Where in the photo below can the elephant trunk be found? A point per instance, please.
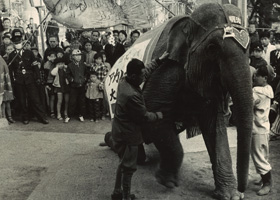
(239, 84)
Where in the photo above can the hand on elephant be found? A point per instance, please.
(159, 115)
(164, 56)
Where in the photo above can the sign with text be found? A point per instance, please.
(119, 70)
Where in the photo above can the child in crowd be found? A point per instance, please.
(104, 60)
(76, 75)
(27, 45)
(41, 83)
(6, 91)
(256, 59)
(48, 67)
(6, 41)
(89, 54)
(61, 87)
(59, 53)
(94, 95)
(262, 95)
(102, 72)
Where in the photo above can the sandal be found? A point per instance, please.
(52, 115)
(60, 118)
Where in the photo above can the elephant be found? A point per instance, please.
(208, 61)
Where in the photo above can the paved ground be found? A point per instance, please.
(64, 162)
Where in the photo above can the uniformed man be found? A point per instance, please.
(25, 74)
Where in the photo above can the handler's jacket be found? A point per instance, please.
(24, 71)
(130, 111)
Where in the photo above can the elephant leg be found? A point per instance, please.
(171, 155)
(214, 132)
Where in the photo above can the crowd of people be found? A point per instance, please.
(66, 81)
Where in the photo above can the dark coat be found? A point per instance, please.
(131, 112)
(23, 71)
(113, 53)
(76, 74)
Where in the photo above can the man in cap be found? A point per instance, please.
(267, 46)
(256, 60)
(25, 74)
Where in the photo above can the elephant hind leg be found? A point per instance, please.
(171, 154)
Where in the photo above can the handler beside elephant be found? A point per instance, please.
(130, 114)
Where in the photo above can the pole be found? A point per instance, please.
(41, 29)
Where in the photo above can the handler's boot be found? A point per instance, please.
(267, 184)
(126, 183)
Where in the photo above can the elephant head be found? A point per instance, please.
(213, 46)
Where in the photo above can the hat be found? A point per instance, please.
(76, 52)
(265, 34)
(6, 36)
(59, 60)
(277, 37)
(16, 36)
(257, 46)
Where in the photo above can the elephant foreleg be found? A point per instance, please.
(214, 132)
(171, 155)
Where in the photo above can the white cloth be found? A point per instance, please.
(262, 97)
(260, 153)
(266, 54)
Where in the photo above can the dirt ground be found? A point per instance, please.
(96, 175)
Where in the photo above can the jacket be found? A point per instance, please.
(76, 74)
(262, 97)
(130, 111)
(23, 68)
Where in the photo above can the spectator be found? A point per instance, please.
(34, 30)
(48, 67)
(6, 41)
(76, 76)
(94, 96)
(89, 54)
(96, 46)
(254, 35)
(101, 71)
(275, 60)
(113, 53)
(262, 95)
(30, 37)
(256, 60)
(61, 87)
(52, 30)
(134, 35)
(41, 84)
(267, 47)
(53, 47)
(7, 28)
(25, 73)
(6, 91)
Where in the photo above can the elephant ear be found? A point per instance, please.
(179, 39)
